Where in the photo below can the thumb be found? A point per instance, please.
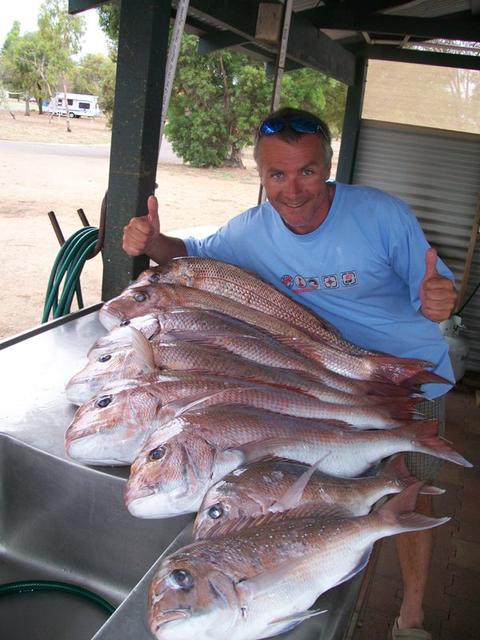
(430, 264)
(152, 205)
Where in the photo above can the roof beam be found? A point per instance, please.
(447, 28)
(307, 46)
(76, 6)
(219, 40)
(383, 52)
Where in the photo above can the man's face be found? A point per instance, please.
(293, 175)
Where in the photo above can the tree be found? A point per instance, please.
(95, 74)
(37, 62)
(218, 99)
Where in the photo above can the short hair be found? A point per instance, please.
(289, 135)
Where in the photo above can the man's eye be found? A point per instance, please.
(308, 172)
(277, 175)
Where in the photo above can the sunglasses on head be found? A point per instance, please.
(297, 123)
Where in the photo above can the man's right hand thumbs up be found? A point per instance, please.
(141, 233)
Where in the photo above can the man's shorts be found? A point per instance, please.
(422, 465)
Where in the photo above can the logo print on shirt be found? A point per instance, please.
(287, 280)
(349, 278)
(330, 282)
(300, 282)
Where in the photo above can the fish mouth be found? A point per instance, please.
(108, 319)
(169, 615)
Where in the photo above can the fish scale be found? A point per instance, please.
(248, 584)
(139, 299)
(253, 490)
(222, 438)
(247, 288)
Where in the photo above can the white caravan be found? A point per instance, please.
(79, 104)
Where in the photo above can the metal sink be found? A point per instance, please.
(63, 522)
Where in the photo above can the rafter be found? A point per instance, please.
(448, 29)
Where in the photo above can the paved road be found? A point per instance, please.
(83, 150)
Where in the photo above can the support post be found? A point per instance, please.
(142, 54)
(351, 122)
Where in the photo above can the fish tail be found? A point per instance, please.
(403, 370)
(397, 471)
(424, 434)
(403, 408)
(378, 389)
(425, 377)
(398, 515)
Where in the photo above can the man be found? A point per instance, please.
(354, 255)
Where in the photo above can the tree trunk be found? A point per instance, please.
(66, 105)
(40, 106)
(235, 158)
(27, 105)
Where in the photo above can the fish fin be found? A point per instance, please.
(395, 469)
(262, 582)
(297, 618)
(424, 434)
(259, 449)
(143, 350)
(292, 497)
(320, 510)
(425, 377)
(399, 516)
(197, 402)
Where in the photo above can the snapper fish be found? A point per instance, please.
(147, 356)
(141, 299)
(277, 485)
(213, 328)
(177, 465)
(111, 428)
(248, 289)
(260, 581)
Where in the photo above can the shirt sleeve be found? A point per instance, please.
(221, 245)
(407, 247)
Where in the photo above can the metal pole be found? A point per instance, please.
(172, 59)
(279, 70)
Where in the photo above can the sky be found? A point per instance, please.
(26, 12)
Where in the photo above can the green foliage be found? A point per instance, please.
(210, 119)
(219, 99)
(11, 37)
(36, 62)
(94, 74)
(109, 20)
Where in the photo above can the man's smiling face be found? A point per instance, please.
(294, 176)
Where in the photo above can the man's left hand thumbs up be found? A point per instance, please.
(437, 293)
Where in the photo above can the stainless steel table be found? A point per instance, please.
(34, 414)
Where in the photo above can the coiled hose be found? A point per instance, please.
(64, 279)
(29, 586)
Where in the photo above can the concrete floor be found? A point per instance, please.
(452, 601)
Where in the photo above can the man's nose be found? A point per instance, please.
(292, 187)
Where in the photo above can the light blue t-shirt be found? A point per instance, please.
(361, 270)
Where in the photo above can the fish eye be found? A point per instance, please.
(103, 402)
(215, 511)
(124, 323)
(155, 277)
(157, 453)
(105, 358)
(181, 579)
(139, 297)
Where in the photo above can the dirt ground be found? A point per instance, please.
(58, 175)
(36, 180)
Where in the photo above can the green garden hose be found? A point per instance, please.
(29, 586)
(64, 279)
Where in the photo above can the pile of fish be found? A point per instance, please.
(229, 399)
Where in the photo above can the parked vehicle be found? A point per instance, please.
(79, 104)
